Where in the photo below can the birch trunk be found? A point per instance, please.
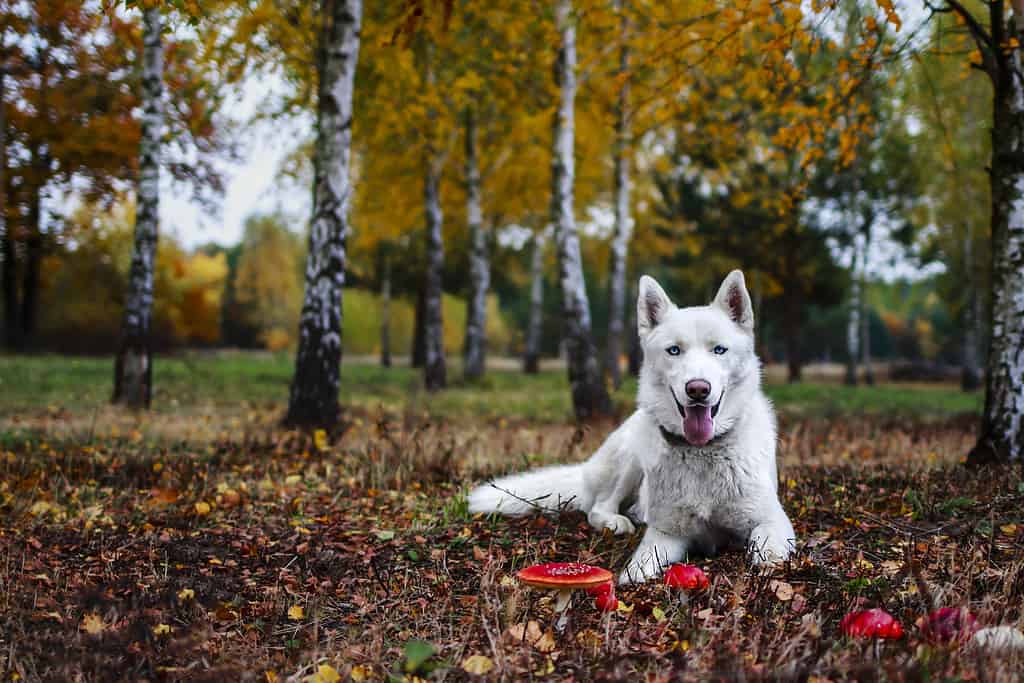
(853, 319)
(434, 371)
(1002, 429)
(623, 220)
(313, 400)
(970, 376)
(531, 359)
(865, 314)
(589, 394)
(479, 266)
(133, 369)
(636, 352)
(385, 315)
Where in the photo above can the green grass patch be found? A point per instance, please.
(200, 380)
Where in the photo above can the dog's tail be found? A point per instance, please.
(549, 489)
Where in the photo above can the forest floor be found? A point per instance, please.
(202, 542)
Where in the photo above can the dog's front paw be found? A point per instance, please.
(617, 524)
(766, 551)
(640, 570)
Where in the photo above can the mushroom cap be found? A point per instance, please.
(564, 575)
(871, 623)
(686, 576)
(948, 624)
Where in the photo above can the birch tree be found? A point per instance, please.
(535, 323)
(853, 315)
(434, 369)
(133, 369)
(313, 400)
(623, 219)
(998, 40)
(589, 394)
(479, 264)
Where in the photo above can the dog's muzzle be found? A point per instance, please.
(698, 420)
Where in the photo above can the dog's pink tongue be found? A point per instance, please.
(698, 427)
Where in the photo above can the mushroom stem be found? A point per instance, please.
(561, 607)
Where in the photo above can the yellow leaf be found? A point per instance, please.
(477, 664)
(320, 439)
(658, 614)
(296, 613)
(271, 677)
(783, 591)
(531, 634)
(202, 508)
(1009, 529)
(324, 674)
(360, 673)
(186, 594)
(92, 624)
(161, 629)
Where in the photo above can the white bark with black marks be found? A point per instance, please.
(475, 348)
(313, 401)
(434, 369)
(853, 315)
(133, 369)
(535, 324)
(1002, 433)
(623, 220)
(865, 313)
(589, 394)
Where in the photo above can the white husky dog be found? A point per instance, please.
(695, 462)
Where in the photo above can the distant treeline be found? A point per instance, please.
(249, 296)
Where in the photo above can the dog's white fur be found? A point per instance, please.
(691, 497)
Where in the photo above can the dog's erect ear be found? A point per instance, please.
(651, 306)
(734, 299)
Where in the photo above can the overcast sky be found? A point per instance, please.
(252, 185)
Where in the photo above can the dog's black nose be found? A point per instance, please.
(698, 389)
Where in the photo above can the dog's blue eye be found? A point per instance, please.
(719, 350)
(674, 350)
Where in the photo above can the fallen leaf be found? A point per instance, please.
(202, 508)
(92, 624)
(296, 613)
(546, 669)
(531, 634)
(360, 673)
(186, 594)
(164, 496)
(161, 629)
(320, 439)
(477, 664)
(325, 673)
(783, 591)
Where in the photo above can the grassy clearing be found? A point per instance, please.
(228, 381)
(188, 557)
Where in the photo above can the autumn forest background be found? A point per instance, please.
(239, 448)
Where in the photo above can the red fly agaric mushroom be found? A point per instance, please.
(948, 624)
(687, 577)
(604, 597)
(871, 623)
(565, 577)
